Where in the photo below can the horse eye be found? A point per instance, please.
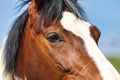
(54, 37)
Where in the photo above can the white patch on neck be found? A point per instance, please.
(3, 76)
(81, 28)
(18, 78)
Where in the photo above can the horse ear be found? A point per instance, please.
(33, 11)
(95, 33)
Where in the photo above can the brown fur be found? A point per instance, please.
(38, 59)
(95, 33)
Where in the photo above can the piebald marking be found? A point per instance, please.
(3, 75)
(81, 28)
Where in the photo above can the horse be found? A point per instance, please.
(52, 40)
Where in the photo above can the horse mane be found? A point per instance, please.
(50, 10)
(13, 42)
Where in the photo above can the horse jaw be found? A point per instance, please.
(81, 28)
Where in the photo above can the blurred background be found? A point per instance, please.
(105, 14)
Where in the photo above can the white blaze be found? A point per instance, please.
(81, 28)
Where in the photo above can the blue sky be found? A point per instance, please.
(105, 14)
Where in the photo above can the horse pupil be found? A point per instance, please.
(54, 38)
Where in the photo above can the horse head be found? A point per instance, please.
(52, 40)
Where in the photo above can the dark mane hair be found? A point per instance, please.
(50, 11)
(13, 42)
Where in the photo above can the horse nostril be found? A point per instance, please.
(61, 68)
(67, 70)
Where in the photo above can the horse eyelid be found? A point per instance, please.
(54, 37)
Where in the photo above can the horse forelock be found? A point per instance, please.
(50, 11)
